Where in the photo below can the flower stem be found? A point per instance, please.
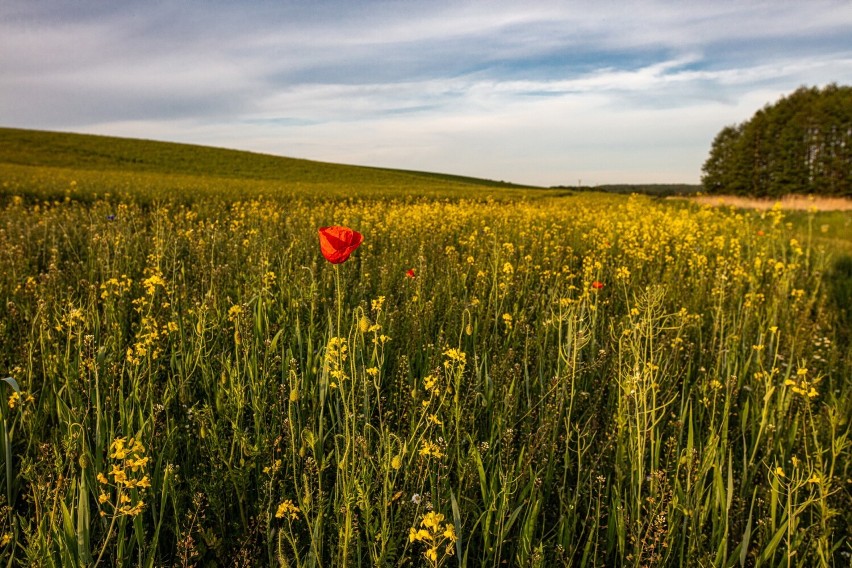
(339, 299)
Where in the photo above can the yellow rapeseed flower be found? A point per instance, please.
(287, 508)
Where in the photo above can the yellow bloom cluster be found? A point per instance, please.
(116, 287)
(287, 509)
(802, 385)
(129, 480)
(152, 282)
(336, 354)
(455, 357)
(431, 449)
(17, 398)
(435, 534)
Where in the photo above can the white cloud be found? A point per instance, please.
(541, 92)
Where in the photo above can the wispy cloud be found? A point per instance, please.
(540, 92)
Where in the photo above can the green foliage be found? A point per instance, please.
(800, 144)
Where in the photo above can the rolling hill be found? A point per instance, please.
(34, 148)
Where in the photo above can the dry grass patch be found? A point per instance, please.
(789, 202)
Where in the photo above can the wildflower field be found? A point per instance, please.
(494, 376)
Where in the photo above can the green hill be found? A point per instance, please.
(105, 153)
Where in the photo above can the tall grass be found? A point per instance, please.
(579, 381)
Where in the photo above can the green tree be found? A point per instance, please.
(719, 169)
(800, 144)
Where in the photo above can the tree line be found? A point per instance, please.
(800, 144)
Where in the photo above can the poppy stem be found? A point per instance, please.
(339, 299)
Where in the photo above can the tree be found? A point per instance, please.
(800, 144)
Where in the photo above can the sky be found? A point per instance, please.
(534, 92)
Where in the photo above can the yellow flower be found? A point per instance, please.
(432, 520)
(131, 511)
(396, 462)
(287, 508)
(135, 465)
(151, 284)
(779, 471)
(118, 474)
(234, 312)
(102, 478)
(430, 449)
(456, 355)
(432, 554)
(450, 532)
(429, 382)
(119, 451)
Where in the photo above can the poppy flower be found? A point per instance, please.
(410, 273)
(597, 285)
(337, 243)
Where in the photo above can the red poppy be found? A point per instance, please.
(760, 233)
(410, 273)
(597, 285)
(337, 243)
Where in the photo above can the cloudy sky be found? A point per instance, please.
(537, 92)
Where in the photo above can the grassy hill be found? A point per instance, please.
(106, 153)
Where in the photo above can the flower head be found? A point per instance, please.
(410, 273)
(287, 509)
(337, 243)
(597, 285)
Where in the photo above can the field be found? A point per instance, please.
(497, 376)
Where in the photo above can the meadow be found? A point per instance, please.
(497, 376)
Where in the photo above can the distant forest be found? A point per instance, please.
(800, 144)
(655, 189)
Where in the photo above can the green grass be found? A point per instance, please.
(568, 380)
(90, 152)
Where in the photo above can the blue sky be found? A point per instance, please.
(537, 92)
